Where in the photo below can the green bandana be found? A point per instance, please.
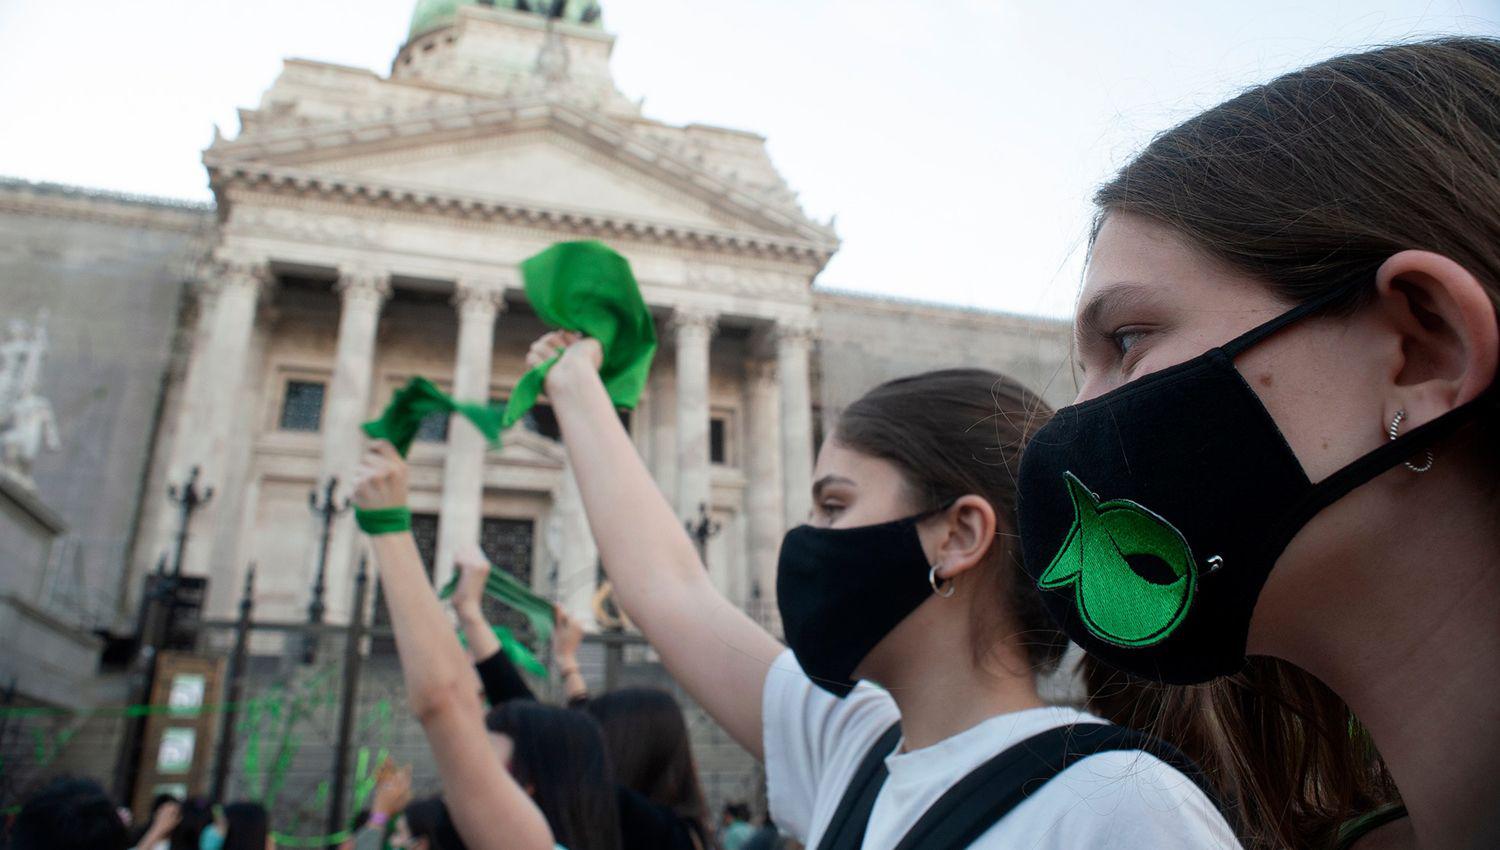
(587, 287)
(519, 653)
(402, 418)
(513, 594)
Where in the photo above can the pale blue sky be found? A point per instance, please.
(956, 140)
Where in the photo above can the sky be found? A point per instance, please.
(956, 141)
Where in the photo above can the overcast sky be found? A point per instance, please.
(956, 140)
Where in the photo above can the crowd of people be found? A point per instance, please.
(1268, 520)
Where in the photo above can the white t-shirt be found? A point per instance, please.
(1120, 800)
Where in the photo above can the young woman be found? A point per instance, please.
(660, 800)
(905, 578)
(1288, 338)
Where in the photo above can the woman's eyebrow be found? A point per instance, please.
(823, 483)
(1094, 318)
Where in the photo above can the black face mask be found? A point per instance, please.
(1152, 515)
(842, 590)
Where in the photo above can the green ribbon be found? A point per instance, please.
(402, 418)
(589, 288)
(519, 653)
(538, 611)
(376, 521)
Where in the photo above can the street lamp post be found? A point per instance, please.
(702, 531)
(329, 510)
(189, 498)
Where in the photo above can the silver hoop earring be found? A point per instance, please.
(1394, 429)
(948, 583)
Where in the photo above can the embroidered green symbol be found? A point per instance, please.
(1116, 602)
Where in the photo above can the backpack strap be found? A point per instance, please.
(846, 831)
(979, 800)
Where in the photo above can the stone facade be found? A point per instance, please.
(366, 229)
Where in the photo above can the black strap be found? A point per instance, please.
(846, 831)
(978, 801)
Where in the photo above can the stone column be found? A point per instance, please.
(763, 498)
(478, 304)
(664, 429)
(362, 292)
(572, 545)
(793, 355)
(692, 329)
(215, 377)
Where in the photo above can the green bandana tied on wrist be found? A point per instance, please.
(588, 288)
(375, 521)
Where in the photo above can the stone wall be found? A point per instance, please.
(108, 270)
(863, 341)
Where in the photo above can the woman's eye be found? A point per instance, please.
(1126, 340)
(830, 509)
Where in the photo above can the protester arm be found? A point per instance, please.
(717, 652)
(439, 682)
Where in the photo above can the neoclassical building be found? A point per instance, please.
(367, 228)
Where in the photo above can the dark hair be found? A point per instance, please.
(737, 811)
(952, 433)
(650, 751)
(246, 826)
(1308, 183)
(560, 758)
(69, 814)
(428, 818)
(197, 814)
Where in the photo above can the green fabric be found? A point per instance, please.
(402, 418)
(519, 653)
(587, 287)
(506, 588)
(1116, 603)
(373, 521)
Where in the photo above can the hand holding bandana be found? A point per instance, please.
(588, 288)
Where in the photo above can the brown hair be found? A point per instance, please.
(952, 433)
(1309, 182)
(652, 755)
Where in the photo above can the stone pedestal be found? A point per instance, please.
(48, 658)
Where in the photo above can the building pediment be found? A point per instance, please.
(540, 154)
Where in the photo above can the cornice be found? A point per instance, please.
(646, 155)
(838, 300)
(385, 195)
(82, 204)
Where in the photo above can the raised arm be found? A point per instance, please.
(501, 680)
(720, 655)
(491, 811)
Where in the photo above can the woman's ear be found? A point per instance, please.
(967, 532)
(1449, 335)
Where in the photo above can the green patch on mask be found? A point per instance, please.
(1116, 602)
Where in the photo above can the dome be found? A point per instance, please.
(433, 14)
